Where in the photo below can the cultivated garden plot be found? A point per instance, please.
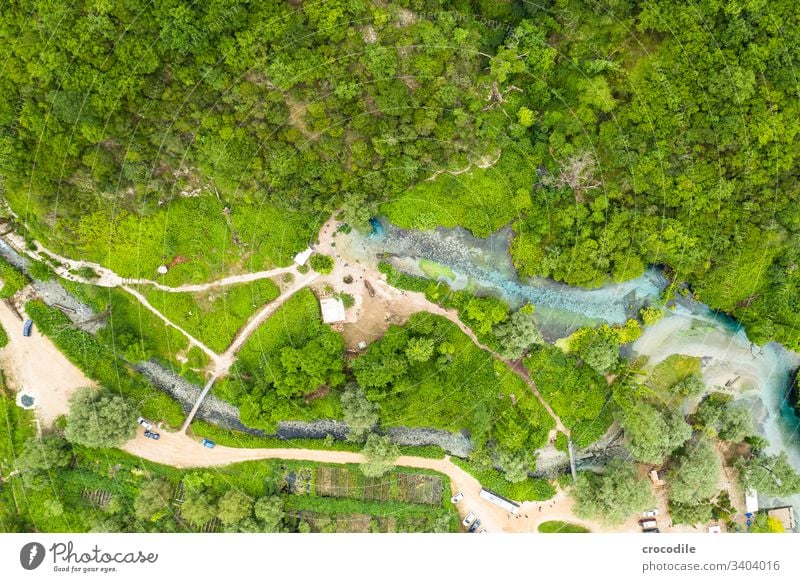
(419, 488)
(405, 487)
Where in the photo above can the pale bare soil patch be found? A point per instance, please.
(34, 365)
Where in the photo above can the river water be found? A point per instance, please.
(759, 376)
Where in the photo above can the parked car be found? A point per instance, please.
(152, 435)
(208, 443)
(650, 512)
(648, 523)
(26, 329)
(144, 422)
(475, 526)
(457, 497)
(469, 519)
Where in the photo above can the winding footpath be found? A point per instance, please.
(108, 278)
(221, 363)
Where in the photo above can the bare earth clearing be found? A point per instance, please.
(35, 365)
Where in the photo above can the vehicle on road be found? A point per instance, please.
(475, 526)
(500, 501)
(648, 523)
(457, 497)
(208, 443)
(152, 435)
(469, 519)
(26, 329)
(144, 422)
(650, 512)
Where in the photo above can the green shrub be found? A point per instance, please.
(459, 387)
(321, 263)
(528, 490)
(401, 280)
(651, 315)
(579, 395)
(11, 278)
(561, 527)
(347, 300)
(278, 362)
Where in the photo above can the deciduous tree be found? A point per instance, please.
(613, 495)
(380, 453)
(98, 418)
(360, 415)
(696, 473)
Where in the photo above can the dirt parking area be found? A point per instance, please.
(34, 365)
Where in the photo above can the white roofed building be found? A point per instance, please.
(332, 310)
(750, 501)
(301, 257)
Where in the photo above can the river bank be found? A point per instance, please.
(762, 377)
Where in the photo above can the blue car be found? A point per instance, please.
(26, 330)
(151, 434)
(209, 444)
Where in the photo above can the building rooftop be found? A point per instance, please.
(785, 515)
(332, 310)
(301, 257)
(750, 501)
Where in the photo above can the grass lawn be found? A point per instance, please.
(191, 235)
(481, 200)
(103, 364)
(671, 371)
(131, 330)
(472, 390)
(213, 316)
(561, 527)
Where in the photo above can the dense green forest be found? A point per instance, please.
(631, 133)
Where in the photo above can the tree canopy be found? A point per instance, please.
(98, 418)
(154, 498)
(360, 415)
(613, 495)
(723, 418)
(769, 474)
(696, 473)
(652, 432)
(380, 453)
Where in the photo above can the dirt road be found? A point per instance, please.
(179, 450)
(182, 451)
(35, 365)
